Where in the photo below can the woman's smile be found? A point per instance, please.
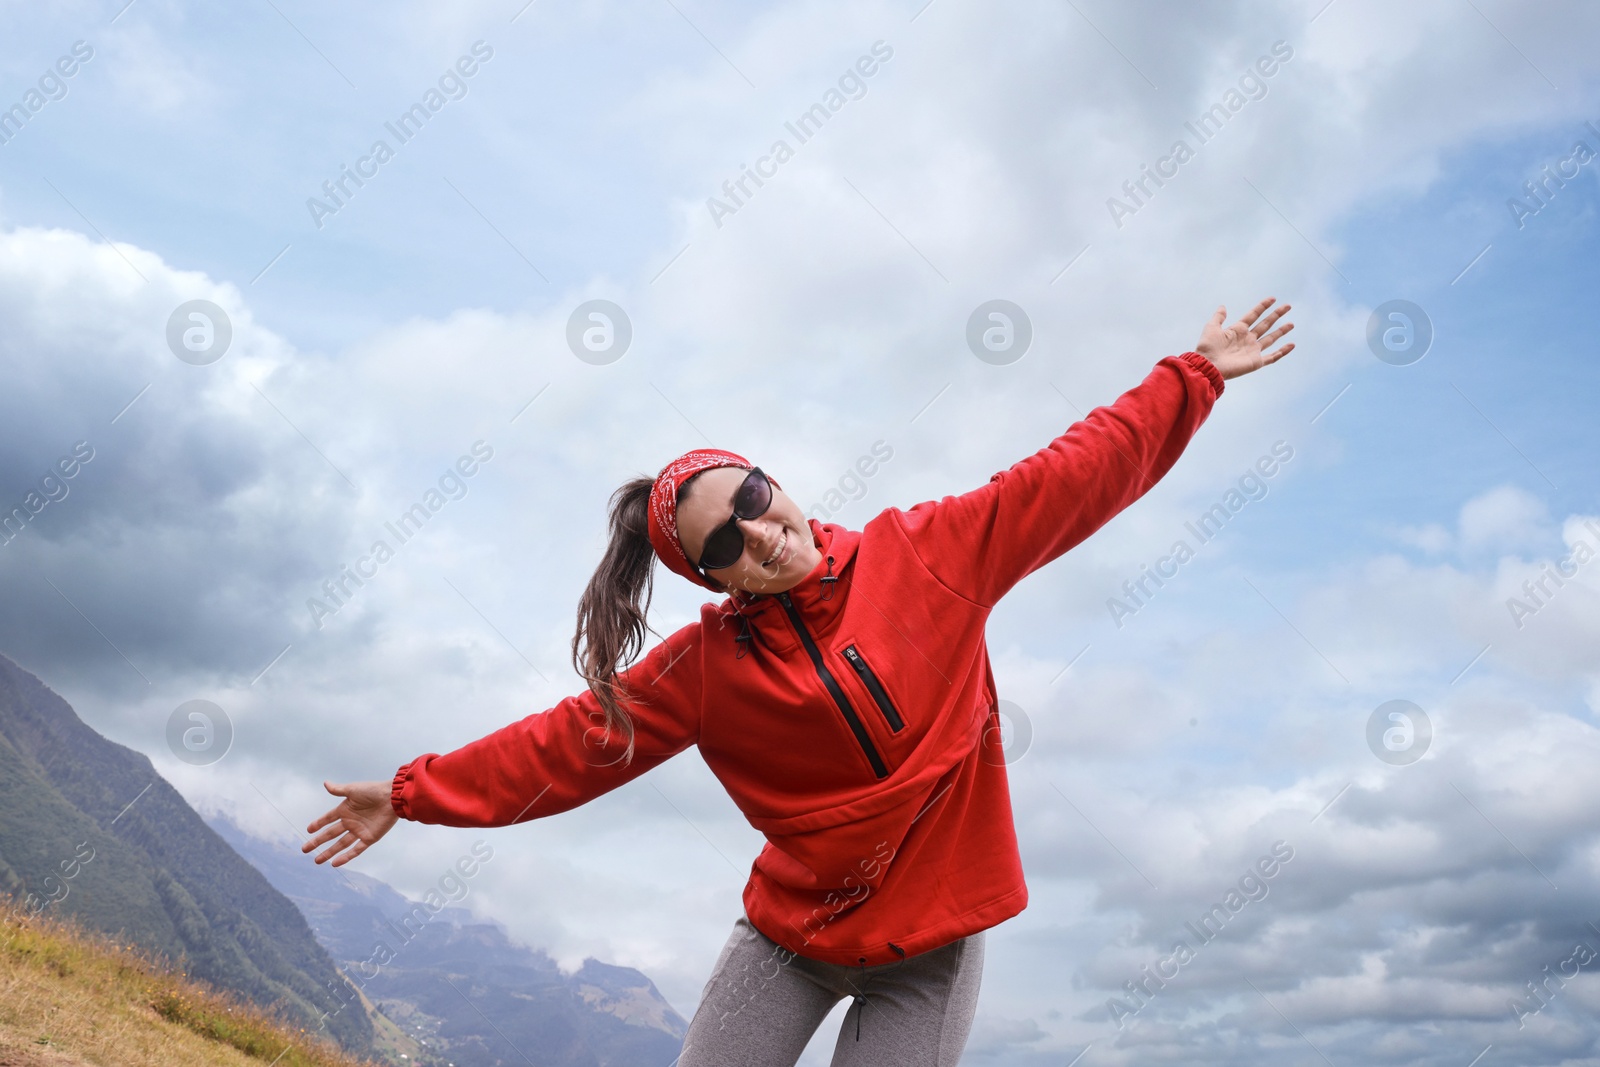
(782, 554)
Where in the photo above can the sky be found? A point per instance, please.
(1158, 750)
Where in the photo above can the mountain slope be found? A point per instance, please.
(89, 827)
(461, 985)
(72, 998)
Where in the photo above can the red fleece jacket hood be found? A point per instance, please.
(853, 718)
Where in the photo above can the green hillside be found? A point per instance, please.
(90, 832)
(71, 998)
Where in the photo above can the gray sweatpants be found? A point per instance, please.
(763, 1003)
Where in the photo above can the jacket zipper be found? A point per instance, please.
(874, 687)
(832, 685)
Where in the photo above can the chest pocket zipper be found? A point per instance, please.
(870, 680)
(857, 727)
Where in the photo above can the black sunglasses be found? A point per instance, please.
(726, 543)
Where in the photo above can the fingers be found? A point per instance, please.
(332, 813)
(336, 828)
(1266, 324)
(332, 850)
(1220, 316)
(322, 820)
(1255, 312)
(352, 853)
(1266, 342)
(1279, 354)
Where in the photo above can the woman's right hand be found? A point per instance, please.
(362, 817)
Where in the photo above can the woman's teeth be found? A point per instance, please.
(783, 543)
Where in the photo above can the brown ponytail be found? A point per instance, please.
(611, 612)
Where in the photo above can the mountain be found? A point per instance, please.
(460, 985)
(90, 832)
(75, 999)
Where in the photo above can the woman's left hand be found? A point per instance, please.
(1244, 346)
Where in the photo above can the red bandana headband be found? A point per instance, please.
(663, 522)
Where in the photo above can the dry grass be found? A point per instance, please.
(69, 997)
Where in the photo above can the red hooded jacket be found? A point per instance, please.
(853, 721)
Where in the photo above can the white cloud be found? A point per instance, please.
(1506, 517)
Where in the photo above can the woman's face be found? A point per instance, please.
(778, 549)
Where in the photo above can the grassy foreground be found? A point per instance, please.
(70, 997)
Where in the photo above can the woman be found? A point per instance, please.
(842, 694)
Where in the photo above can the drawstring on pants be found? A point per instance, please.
(858, 999)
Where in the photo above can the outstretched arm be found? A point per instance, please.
(981, 543)
(544, 764)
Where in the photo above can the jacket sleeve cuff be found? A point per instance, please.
(1206, 367)
(397, 798)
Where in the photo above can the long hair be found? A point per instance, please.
(612, 610)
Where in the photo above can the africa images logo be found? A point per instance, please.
(851, 85)
(452, 85)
